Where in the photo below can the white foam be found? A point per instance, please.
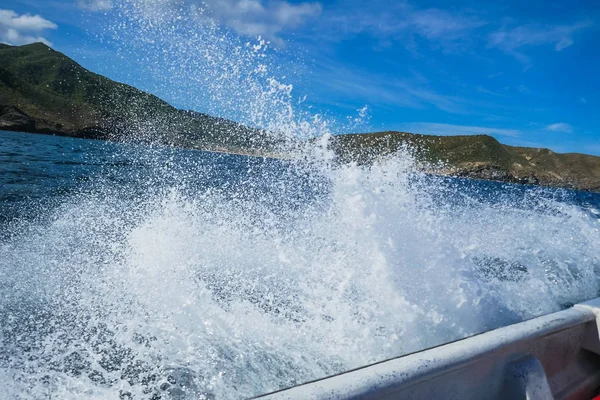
(236, 290)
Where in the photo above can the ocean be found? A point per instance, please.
(138, 271)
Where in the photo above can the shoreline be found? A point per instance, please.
(475, 174)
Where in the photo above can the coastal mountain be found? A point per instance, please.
(477, 156)
(44, 91)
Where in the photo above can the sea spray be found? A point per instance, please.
(231, 293)
(189, 275)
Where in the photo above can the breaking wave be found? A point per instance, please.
(187, 275)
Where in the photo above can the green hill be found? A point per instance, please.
(479, 156)
(44, 91)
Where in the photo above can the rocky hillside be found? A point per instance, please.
(44, 91)
(479, 157)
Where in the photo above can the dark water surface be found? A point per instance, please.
(41, 169)
(150, 272)
(34, 168)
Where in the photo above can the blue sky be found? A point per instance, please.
(526, 72)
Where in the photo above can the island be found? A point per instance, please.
(44, 91)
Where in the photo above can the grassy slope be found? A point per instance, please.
(65, 98)
(478, 156)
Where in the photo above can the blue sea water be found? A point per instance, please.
(37, 169)
(129, 270)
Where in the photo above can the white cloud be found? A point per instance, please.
(560, 127)
(22, 29)
(489, 92)
(582, 100)
(514, 41)
(432, 128)
(451, 104)
(337, 79)
(435, 24)
(524, 89)
(265, 18)
(399, 20)
(255, 17)
(95, 5)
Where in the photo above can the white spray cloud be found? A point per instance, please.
(268, 19)
(361, 119)
(95, 5)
